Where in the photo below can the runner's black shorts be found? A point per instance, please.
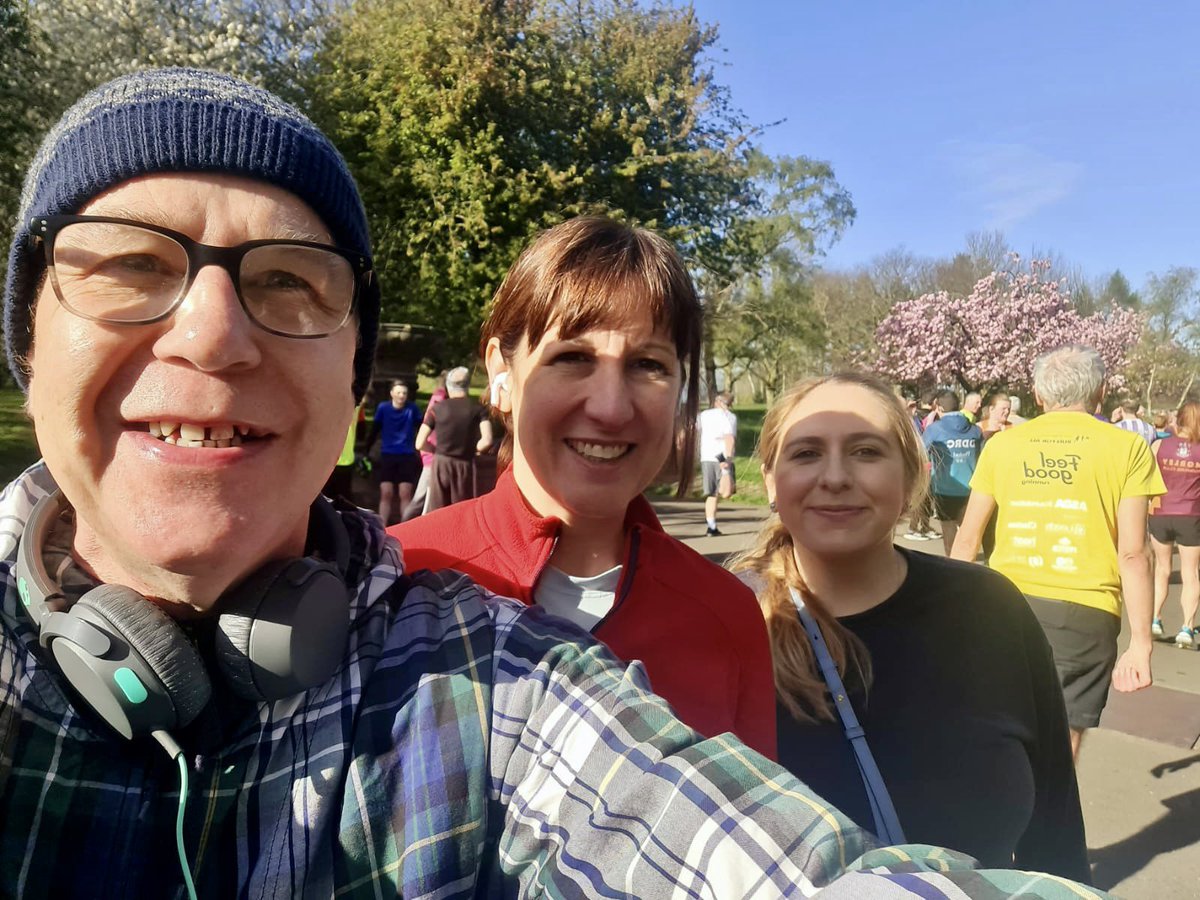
(399, 468)
(1084, 642)
(1181, 530)
(949, 509)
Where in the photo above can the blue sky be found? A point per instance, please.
(1073, 127)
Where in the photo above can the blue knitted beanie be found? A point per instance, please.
(182, 120)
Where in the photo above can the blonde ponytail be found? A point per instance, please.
(798, 681)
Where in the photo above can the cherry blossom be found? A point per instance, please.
(991, 337)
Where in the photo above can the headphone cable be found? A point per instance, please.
(176, 753)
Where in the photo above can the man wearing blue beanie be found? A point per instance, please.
(191, 308)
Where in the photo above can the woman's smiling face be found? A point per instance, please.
(593, 417)
(838, 479)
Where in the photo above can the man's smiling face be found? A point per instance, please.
(106, 401)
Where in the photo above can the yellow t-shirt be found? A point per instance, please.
(1057, 481)
(347, 457)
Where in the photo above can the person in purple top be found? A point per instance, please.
(1176, 521)
(397, 420)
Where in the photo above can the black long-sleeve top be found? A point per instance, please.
(966, 721)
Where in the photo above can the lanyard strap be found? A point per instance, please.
(887, 823)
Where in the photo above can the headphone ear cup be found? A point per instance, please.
(155, 642)
(283, 630)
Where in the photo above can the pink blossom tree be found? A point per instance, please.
(991, 337)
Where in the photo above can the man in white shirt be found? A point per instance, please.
(718, 430)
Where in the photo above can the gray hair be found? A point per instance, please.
(1069, 376)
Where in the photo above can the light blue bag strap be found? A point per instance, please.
(887, 823)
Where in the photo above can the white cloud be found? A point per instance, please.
(1009, 182)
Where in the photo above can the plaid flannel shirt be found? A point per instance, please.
(468, 747)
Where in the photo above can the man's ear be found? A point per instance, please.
(499, 377)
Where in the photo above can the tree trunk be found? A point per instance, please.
(1183, 396)
(710, 372)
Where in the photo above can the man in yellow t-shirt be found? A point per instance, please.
(1072, 495)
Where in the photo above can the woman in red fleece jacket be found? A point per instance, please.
(590, 340)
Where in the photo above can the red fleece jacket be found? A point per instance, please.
(697, 629)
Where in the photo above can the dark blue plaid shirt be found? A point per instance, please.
(469, 747)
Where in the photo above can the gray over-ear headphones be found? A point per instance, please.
(280, 631)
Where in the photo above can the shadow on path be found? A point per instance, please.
(1178, 827)
(1176, 766)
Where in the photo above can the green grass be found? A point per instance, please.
(17, 447)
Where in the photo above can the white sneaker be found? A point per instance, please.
(916, 536)
(1156, 628)
(1186, 637)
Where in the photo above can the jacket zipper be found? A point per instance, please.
(628, 568)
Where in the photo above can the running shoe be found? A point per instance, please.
(917, 536)
(1186, 637)
(1156, 628)
(712, 532)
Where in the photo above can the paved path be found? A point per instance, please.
(1139, 772)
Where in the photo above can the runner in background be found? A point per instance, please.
(1072, 494)
(718, 433)
(463, 430)
(953, 445)
(995, 420)
(1175, 521)
(396, 421)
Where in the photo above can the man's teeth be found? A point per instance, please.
(598, 451)
(188, 435)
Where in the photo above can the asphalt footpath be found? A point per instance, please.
(1139, 772)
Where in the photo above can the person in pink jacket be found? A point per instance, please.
(591, 340)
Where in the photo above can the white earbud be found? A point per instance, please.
(499, 383)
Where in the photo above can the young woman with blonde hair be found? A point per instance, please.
(940, 663)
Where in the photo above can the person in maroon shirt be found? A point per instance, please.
(591, 339)
(1176, 521)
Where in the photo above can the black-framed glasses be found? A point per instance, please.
(124, 272)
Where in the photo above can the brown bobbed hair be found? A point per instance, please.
(1187, 421)
(771, 560)
(595, 272)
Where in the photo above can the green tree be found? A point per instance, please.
(758, 276)
(1117, 290)
(53, 51)
(1171, 302)
(19, 122)
(472, 125)
(851, 305)
(1165, 366)
(776, 334)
